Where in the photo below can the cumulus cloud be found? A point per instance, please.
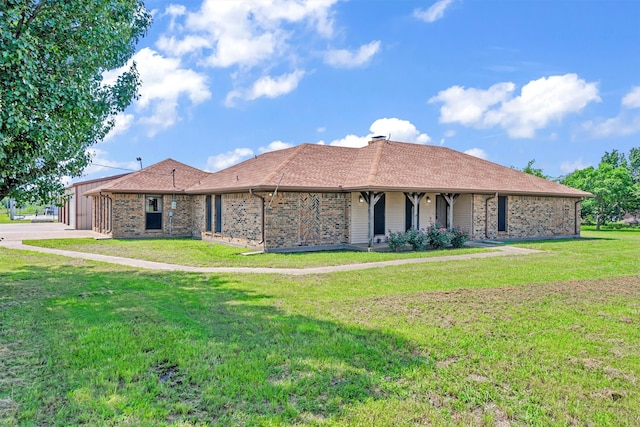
(621, 125)
(249, 32)
(477, 152)
(164, 83)
(229, 158)
(267, 86)
(468, 106)
(343, 58)
(224, 160)
(275, 145)
(122, 123)
(399, 130)
(540, 102)
(435, 12)
(632, 99)
(570, 166)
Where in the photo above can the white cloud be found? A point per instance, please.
(477, 152)
(224, 160)
(632, 99)
(342, 58)
(275, 145)
(435, 12)
(164, 82)
(267, 86)
(247, 33)
(399, 130)
(467, 106)
(539, 103)
(568, 166)
(122, 123)
(621, 125)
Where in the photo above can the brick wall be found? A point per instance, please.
(307, 219)
(527, 216)
(199, 216)
(129, 217)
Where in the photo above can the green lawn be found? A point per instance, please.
(542, 339)
(199, 253)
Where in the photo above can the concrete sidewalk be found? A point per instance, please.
(12, 235)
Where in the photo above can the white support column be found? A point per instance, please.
(451, 200)
(415, 201)
(371, 198)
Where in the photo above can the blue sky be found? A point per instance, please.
(508, 81)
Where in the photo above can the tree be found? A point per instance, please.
(54, 104)
(534, 171)
(612, 188)
(634, 164)
(614, 158)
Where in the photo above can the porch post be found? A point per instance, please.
(371, 198)
(451, 200)
(415, 201)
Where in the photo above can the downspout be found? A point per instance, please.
(261, 242)
(486, 214)
(576, 224)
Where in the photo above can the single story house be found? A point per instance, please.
(317, 196)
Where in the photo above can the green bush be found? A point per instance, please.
(437, 236)
(397, 240)
(458, 237)
(417, 239)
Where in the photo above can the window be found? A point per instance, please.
(378, 216)
(502, 213)
(154, 212)
(218, 214)
(208, 213)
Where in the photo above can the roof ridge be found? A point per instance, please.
(284, 163)
(373, 170)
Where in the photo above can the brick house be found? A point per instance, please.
(317, 196)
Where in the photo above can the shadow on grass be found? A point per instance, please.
(163, 348)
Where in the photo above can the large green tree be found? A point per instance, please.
(54, 103)
(613, 191)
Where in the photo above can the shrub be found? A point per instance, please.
(458, 237)
(437, 236)
(396, 240)
(417, 239)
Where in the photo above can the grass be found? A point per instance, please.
(542, 339)
(200, 253)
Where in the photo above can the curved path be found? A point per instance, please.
(11, 236)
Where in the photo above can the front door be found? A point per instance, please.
(408, 214)
(441, 211)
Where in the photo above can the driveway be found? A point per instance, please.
(40, 230)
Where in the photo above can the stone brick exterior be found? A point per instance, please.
(298, 219)
(527, 216)
(307, 219)
(128, 216)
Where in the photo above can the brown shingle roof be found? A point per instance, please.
(158, 178)
(382, 165)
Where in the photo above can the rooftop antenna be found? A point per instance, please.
(139, 159)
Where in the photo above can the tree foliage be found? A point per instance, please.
(531, 170)
(54, 104)
(612, 184)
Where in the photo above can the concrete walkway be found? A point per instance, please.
(13, 234)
